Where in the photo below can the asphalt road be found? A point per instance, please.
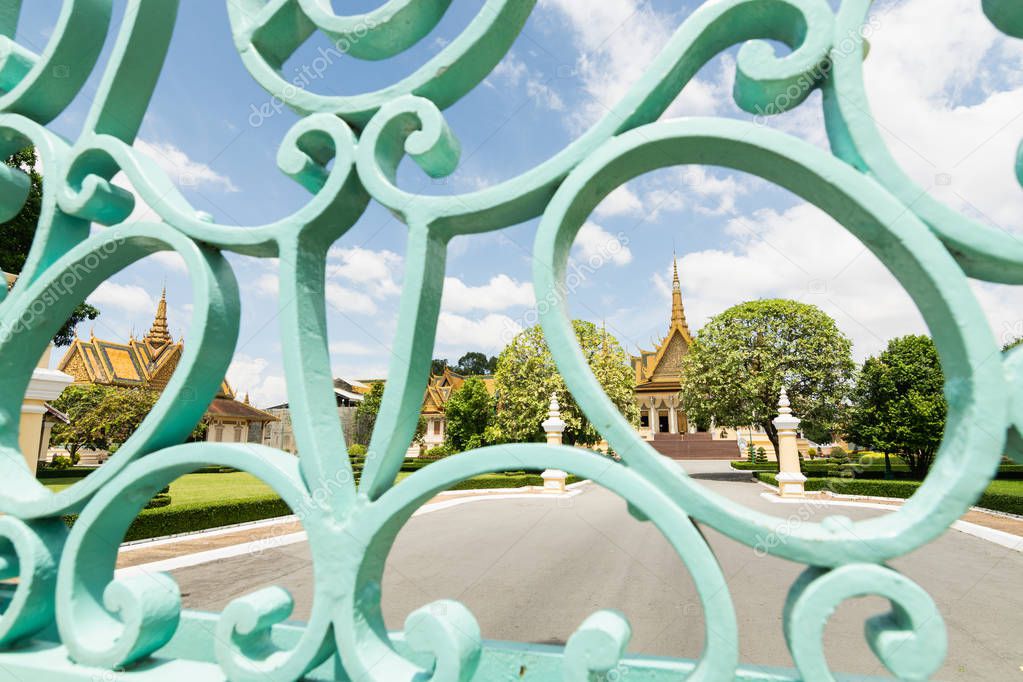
(531, 570)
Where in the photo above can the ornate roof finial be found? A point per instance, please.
(678, 313)
(158, 334)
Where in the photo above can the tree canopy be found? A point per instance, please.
(739, 361)
(16, 237)
(526, 377)
(472, 363)
(898, 404)
(103, 416)
(468, 412)
(366, 416)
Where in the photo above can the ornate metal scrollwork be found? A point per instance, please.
(345, 151)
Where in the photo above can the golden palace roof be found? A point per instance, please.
(660, 368)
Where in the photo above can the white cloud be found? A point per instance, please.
(128, 297)
(515, 73)
(950, 116)
(248, 375)
(347, 300)
(373, 270)
(622, 201)
(181, 169)
(170, 260)
(269, 284)
(353, 348)
(803, 254)
(594, 244)
(500, 293)
(490, 334)
(618, 39)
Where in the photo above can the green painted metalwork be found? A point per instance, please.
(67, 617)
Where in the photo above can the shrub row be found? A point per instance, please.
(1003, 502)
(517, 480)
(82, 472)
(187, 518)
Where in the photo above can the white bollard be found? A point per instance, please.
(554, 427)
(790, 479)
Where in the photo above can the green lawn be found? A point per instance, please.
(201, 487)
(1006, 488)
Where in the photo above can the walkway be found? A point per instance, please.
(532, 569)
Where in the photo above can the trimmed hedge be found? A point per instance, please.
(82, 472)
(187, 518)
(998, 501)
(489, 481)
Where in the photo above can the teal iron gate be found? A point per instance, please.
(67, 618)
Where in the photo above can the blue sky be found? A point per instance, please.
(945, 87)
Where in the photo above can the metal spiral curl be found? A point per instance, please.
(109, 623)
(911, 639)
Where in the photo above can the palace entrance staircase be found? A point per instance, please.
(694, 446)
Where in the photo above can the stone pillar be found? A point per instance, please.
(655, 419)
(554, 427)
(790, 478)
(33, 434)
(672, 416)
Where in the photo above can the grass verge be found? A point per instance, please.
(191, 514)
(1003, 496)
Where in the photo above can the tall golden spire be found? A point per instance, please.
(678, 313)
(158, 334)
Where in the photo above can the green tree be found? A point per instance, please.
(366, 416)
(526, 377)
(16, 237)
(438, 366)
(739, 361)
(468, 412)
(104, 417)
(898, 404)
(475, 363)
(79, 403)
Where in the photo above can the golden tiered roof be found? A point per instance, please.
(149, 361)
(145, 363)
(660, 368)
(441, 386)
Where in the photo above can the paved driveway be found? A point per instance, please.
(531, 570)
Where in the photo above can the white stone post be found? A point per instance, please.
(790, 478)
(554, 427)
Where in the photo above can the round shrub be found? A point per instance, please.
(356, 450)
(439, 452)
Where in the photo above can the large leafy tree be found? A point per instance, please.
(740, 360)
(898, 405)
(475, 363)
(16, 237)
(366, 416)
(526, 377)
(104, 416)
(469, 412)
